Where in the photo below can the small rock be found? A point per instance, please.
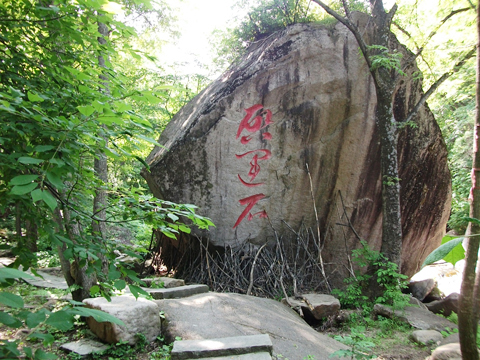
(415, 317)
(139, 316)
(452, 338)
(84, 347)
(445, 306)
(321, 305)
(427, 337)
(420, 289)
(447, 352)
(415, 302)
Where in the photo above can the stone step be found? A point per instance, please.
(84, 347)
(255, 356)
(177, 292)
(167, 282)
(223, 348)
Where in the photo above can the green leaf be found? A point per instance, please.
(9, 273)
(457, 253)
(23, 179)
(47, 338)
(55, 180)
(98, 315)
(120, 284)
(61, 320)
(137, 291)
(150, 140)
(94, 290)
(34, 97)
(36, 195)
(442, 251)
(34, 319)
(11, 300)
(43, 148)
(29, 160)
(42, 355)
(86, 110)
(49, 200)
(24, 189)
(9, 320)
(473, 220)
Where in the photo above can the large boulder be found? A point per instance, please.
(303, 96)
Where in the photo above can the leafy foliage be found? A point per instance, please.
(360, 345)
(59, 109)
(356, 294)
(451, 250)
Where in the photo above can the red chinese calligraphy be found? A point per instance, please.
(250, 202)
(253, 124)
(254, 167)
(257, 118)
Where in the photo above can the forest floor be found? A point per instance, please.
(390, 338)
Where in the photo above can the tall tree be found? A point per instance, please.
(385, 67)
(468, 309)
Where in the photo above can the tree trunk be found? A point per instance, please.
(101, 166)
(31, 235)
(469, 293)
(391, 221)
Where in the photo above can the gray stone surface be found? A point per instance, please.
(427, 337)
(48, 281)
(139, 316)
(322, 103)
(452, 338)
(206, 316)
(322, 305)
(236, 345)
(445, 306)
(84, 347)
(416, 317)
(167, 282)
(447, 352)
(420, 289)
(256, 356)
(177, 292)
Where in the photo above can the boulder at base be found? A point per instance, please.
(214, 315)
(304, 96)
(139, 316)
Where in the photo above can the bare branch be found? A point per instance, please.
(434, 31)
(437, 83)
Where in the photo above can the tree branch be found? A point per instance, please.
(434, 31)
(34, 21)
(353, 29)
(437, 83)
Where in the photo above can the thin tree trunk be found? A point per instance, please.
(101, 165)
(469, 293)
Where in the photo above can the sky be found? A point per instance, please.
(197, 19)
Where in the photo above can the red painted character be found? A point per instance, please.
(254, 124)
(250, 202)
(254, 167)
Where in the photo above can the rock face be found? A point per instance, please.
(302, 96)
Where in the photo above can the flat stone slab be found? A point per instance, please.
(84, 347)
(177, 292)
(205, 316)
(255, 356)
(236, 345)
(417, 318)
(48, 281)
(166, 281)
